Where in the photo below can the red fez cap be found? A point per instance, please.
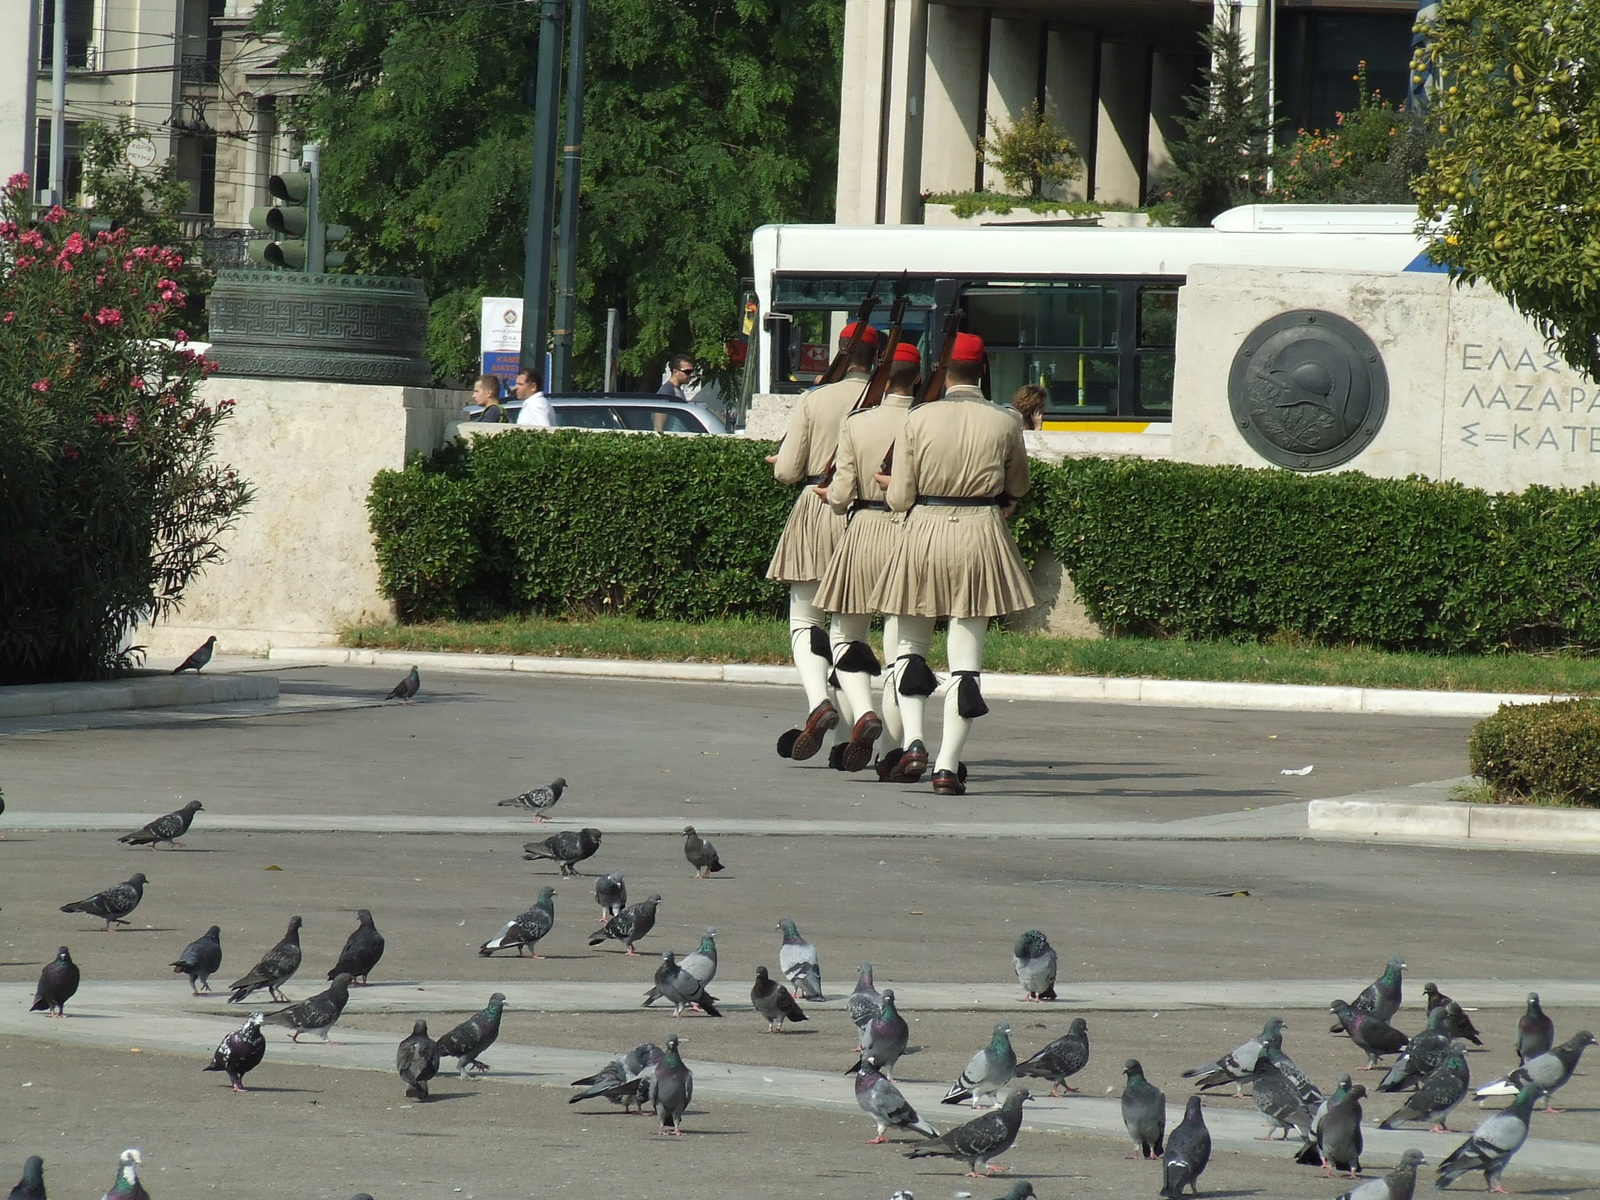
(907, 352)
(968, 348)
(869, 335)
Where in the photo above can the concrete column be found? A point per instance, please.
(1250, 20)
(1124, 123)
(19, 63)
(908, 74)
(860, 110)
(1069, 94)
(1013, 80)
(954, 89)
(1171, 79)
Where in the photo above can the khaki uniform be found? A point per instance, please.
(813, 529)
(873, 533)
(956, 562)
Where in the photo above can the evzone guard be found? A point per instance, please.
(959, 465)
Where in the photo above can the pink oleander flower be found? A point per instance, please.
(210, 367)
(32, 239)
(20, 180)
(180, 336)
(169, 291)
(55, 216)
(74, 243)
(10, 317)
(131, 422)
(8, 230)
(108, 316)
(41, 385)
(104, 419)
(137, 383)
(100, 279)
(155, 308)
(71, 453)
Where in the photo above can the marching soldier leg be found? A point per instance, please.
(914, 682)
(963, 703)
(854, 665)
(894, 730)
(809, 642)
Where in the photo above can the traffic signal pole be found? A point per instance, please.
(542, 188)
(571, 180)
(311, 157)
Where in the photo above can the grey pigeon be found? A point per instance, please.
(1492, 1144)
(1337, 1130)
(166, 829)
(1235, 1067)
(526, 928)
(113, 904)
(275, 968)
(127, 1185)
(1020, 1190)
(1061, 1059)
(1547, 1072)
(417, 1061)
(1144, 1111)
(1370, 1032)
(58, 983)
(240, 1052)
(885, 1037)
(1381, 997)
(31, 1186)
(775, 1005)
(989, 1070)
(1279, 1100)
(1536, 1032)
(702, 855)
(1457, 1023)
(624, 1080)
(1188, 1152)
(1034, 960)
(1425, 1052)
(629, 925)
(468, 1040)
(316, 1014)
(538, 800)
(671, 1089)
(1435, 1096)
(1398, 1184)
(406, 690)
(198, 658)
(362, 949)
(797, 959)
(199, 959)
(981, 1139)
(701, 963)
(882, 1101)
(681, 989)
(611, 894)
(865, 1002)
(567, 848)
(1310, 1094)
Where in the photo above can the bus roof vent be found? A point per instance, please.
(1318, 218)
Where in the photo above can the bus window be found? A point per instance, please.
(1158, 335)
(813, 310)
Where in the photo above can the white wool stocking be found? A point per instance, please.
(965, 647)
(804, 616)
(894, 730)
(915, 636)
(855, 686)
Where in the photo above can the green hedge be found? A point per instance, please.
(683, 528)
(1546, 753)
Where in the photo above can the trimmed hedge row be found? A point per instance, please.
(683, 527)
(1540, 752)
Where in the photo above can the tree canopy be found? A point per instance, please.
(1222, 159)
(703, 120)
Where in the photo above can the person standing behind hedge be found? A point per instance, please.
(486, 391)
(1029, 401)
(536, 411)
(812, 531)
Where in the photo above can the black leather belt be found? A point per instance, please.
(959, 501)
(874, 505)
(813, 480)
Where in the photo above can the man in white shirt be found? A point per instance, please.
(536, 411)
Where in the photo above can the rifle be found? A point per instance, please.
(841, 360)
(878, 384)
(934, 386)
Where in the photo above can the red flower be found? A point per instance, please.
(108, 316)
(104, 419)
(55, 216)
(71, 452)
(41, 385)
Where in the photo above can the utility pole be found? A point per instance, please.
(571, 180)
(542, 188)
(311, 158)
(58, 107)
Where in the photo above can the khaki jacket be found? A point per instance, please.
(961, 445)
(813, 432)
(864, 439)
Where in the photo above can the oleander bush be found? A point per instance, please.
(1540, 753)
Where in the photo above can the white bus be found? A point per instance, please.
(1087, 312)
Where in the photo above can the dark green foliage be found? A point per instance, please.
(1547, 753)
(1221, 161)
(1370, 157)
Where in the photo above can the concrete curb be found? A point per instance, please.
(140, 691)
(1172, 693)
(1455, 821)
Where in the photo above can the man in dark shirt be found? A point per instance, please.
(680, 369)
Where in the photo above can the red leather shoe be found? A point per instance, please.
(947, 783)
(912, 764)
(823, 718)
(858, 752)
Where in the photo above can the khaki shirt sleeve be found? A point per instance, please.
(845, 487)
(796, 449)
(902, 493)
(1018, 480)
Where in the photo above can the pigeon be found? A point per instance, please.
(526, 928)
(1064, 1057)
(624, 1080)
(702, 855)
(671, 1088)
(417, 1061)
(681, 989)
(1236, 1067)
(406, 690)
(1310, 1094)
(989, 1070)
(611, 894)
(981, 1139)
(1337, 1129)
(537, 800)
(1381, 997)
(1034, 959)
(199, 959)
(58, 983)
(240, 1052)
(865, 1002)
(318, 1014)
(567, 848)
(113, 904)
(31, 1186)
(473, 1036)
(198, 659)
(1458, 1024)
(701, 963)
(362, 950)
(629, 925)
(1021, 1189)
(1425, 1052)
(1492, 1144)
(1547, 1072)
(1536, 1033)
(881, 1100)
(1188, 1152)
(166, 829)
(797, 959)
(275, 969)
(1144, 1111)
(1398, 1184)
(1370, 1032)
(885, 1037)
(1435, 1096)
(774, 1003)
(1279, 1100)
(127, 1185)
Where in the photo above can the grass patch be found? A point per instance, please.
(761, 641)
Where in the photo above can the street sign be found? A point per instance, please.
(500, 337)
(141, 153)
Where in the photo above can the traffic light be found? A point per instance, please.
(330, 235)
(288, 223)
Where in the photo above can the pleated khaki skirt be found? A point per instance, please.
(954, 562)
(858, 562)
(808, 540)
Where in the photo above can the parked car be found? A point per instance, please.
(644, 413)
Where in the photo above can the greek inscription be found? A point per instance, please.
(1524, 391)
(1548, 437)
(1471, 356)
(1519, 435)
(1499, 398)
(1549, 400)
(1472, 394)
(1472, 434)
